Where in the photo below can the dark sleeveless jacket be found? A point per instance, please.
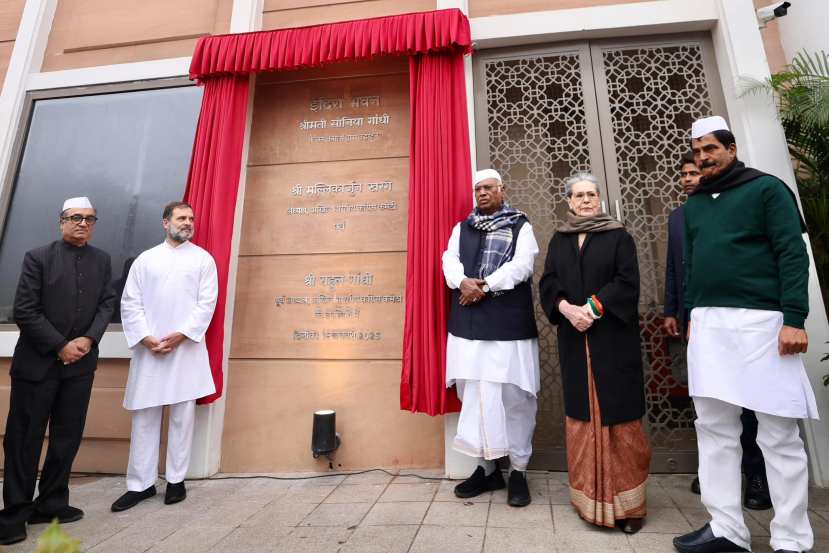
(503, 315)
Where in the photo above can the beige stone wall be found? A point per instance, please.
(87, 33)
(482, 8)
(278, 378)
(105, 447)
(282, 14)
(10, 12)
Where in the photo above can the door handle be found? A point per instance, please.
(618, 212)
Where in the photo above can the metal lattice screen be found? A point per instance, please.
(654, 94)
(544, 120)
(537, 138)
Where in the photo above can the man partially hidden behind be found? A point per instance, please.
(676, 323)
(747, 271)
(63, 305)
(492, 347)
(166, 307)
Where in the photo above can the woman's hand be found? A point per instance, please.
(576, 314)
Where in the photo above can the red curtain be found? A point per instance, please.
(409, 34)
(439, 196)
(211, 189)
(439, 176)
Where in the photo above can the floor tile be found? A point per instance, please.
(280, 514)
(192, 539)
(404, 512)
(652, 543)
(312, 540)
(410, 492)
(519, 540)
(380, 539)
(666, 520)
(457, 514)
(597, 541)
(356, 493)
(433, 539)
(531, 516)
(337, 514)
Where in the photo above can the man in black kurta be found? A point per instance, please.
(63, 304)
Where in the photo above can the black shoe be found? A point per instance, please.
(630, 525)
(131, 499)
(757, 495)
(518, 493)
(13, 533)
(479, 483)
(786, 551)
(66, 515)
(174, 493)
(704, 541)
(695, 486)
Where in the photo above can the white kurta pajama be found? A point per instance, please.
(169, 289)
(733, 362)
(497, 381)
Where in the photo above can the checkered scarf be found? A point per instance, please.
(497, 244)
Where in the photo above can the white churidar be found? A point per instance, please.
(733, 357)
(497, 380)
(169, 289)
(142, 469)
(718, 437)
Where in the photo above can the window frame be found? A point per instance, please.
(114, 332)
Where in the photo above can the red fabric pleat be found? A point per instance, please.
(439, 197)
(408, 34)
(439, 174)
(212, 186)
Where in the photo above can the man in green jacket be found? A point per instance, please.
(747, 274)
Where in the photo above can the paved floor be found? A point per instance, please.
(377, 513)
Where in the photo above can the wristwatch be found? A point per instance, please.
(485, 288)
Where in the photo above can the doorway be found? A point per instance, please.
(622, 110)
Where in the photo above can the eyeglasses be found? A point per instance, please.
(77, 219)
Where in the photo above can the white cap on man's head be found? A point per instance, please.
(487, 174)
(81, 202)
(707, 125)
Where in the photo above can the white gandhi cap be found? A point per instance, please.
(707, 125)
(81, 202)
(487, 174)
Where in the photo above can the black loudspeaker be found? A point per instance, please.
(324, 438)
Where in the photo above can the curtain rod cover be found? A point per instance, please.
(408, 34)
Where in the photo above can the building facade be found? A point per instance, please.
(96, 101)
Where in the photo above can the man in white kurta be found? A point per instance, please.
(166, 307)
(746, 288)
(492, 345)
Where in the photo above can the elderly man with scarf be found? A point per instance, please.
(746, 273)
(492, 348)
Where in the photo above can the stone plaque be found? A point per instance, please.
(326, 120)
(343, 306)
(339, 206)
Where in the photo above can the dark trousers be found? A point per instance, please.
(753, 463)
(62, 404)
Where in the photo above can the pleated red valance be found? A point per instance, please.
(414, 33)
